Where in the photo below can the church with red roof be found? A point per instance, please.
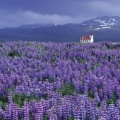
(87, 39)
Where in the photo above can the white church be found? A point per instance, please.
(87, 39)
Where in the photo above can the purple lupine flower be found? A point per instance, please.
(26, 111)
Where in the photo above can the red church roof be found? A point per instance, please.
(86, 38)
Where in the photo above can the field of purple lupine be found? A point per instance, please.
(59, 81)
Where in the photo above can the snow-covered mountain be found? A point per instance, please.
(105, 22)
(104, 29)
(98, 23)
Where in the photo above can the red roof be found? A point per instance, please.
(86, 38)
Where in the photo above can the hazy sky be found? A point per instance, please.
(19, 12)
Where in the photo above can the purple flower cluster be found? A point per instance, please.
(59, 81)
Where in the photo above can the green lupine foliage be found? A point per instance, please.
(44, 96)
(45, 117)
(91, 94)
(98, 105)
(31, 116)
(4, 98)
(1, 118)
(20, 98)
(67, 89)
(3, 104)
(112, 100)
(95, 65)
(71, 118)
(14, 53)
(51, 80)
(109, 101)
(45, 78)
(3, 101)
(83, 60)
(29, 44)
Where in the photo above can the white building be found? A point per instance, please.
(87, 39)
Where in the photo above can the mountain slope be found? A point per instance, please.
(104, 29)
(104, 22)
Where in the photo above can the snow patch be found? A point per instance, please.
(105, 27)
(104, 22)
(102, 25)
(113, 19)
(97, 29)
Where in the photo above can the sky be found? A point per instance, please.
(20, 12)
